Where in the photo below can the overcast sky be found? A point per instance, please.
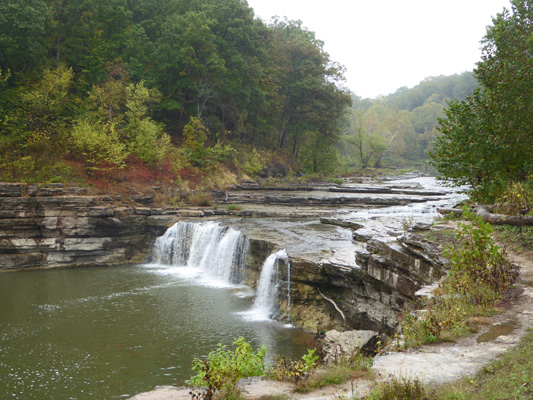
(387, 44)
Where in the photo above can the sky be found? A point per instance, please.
(387, 44)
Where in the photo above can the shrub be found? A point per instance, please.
(479, 269)
(309, 378)
(517, 199)
(98, 144)
(233, 207)
(479, 273)
(286, 369)
(200, 199)
(223, 368)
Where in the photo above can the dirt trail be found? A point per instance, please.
(445, 362)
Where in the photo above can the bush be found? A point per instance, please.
(308, 378)
(479, 273)
(517, 199)
(200, 199)
(223, 368)
(478, 263)
(286, 369)
(98, 144)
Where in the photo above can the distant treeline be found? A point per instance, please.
(399, 129)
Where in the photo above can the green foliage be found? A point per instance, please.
(98, 144)
(287, 369)
(479, 269)
(233, 207)
(517, 199)
(355, 366)
(480, 135)
(223, 368)
(195, 135)
(479, 273)
(251, 162)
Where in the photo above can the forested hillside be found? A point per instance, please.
(190, 92)
(166, 87)
(399, 129)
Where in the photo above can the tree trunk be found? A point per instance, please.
(491, 218)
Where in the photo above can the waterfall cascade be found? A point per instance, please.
(267, 288)
(219, 251)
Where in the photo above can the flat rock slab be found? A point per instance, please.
(164, 393)
(447, 362)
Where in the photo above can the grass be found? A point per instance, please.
(233, 207)
(279, 396)
(355, 367)
(399, 389)
(516, 239)
(201, 199)
(508, 377)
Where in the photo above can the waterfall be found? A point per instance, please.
(220, 252)
(217, 250)
(288, 290)
(266, 298)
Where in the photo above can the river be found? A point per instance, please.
(103, 333)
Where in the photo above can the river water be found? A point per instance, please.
(103, 333)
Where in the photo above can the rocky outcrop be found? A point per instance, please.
(52, 226)
(367, 295)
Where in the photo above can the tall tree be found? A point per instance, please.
(486, 139)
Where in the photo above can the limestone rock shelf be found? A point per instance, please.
(52, 226)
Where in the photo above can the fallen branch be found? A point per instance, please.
(334, 305)
(492, 218)
(500, 219)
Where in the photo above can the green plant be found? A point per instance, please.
(233, 207)
(286, 369)
(279, 396)
(399, 389)
(223, 368)
(479, 273)
(517, 199)
(478, 263)
(355, 366)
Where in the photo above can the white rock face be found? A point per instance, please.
(338, 344)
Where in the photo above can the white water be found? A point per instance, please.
(207, 248)
(267, 289)
(213, 255)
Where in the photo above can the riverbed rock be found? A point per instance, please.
(337, 344)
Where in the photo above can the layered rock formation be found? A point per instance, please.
(53, 226)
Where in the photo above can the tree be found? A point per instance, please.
(23, 28)
(486, 139)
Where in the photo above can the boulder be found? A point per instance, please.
(339, 344)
